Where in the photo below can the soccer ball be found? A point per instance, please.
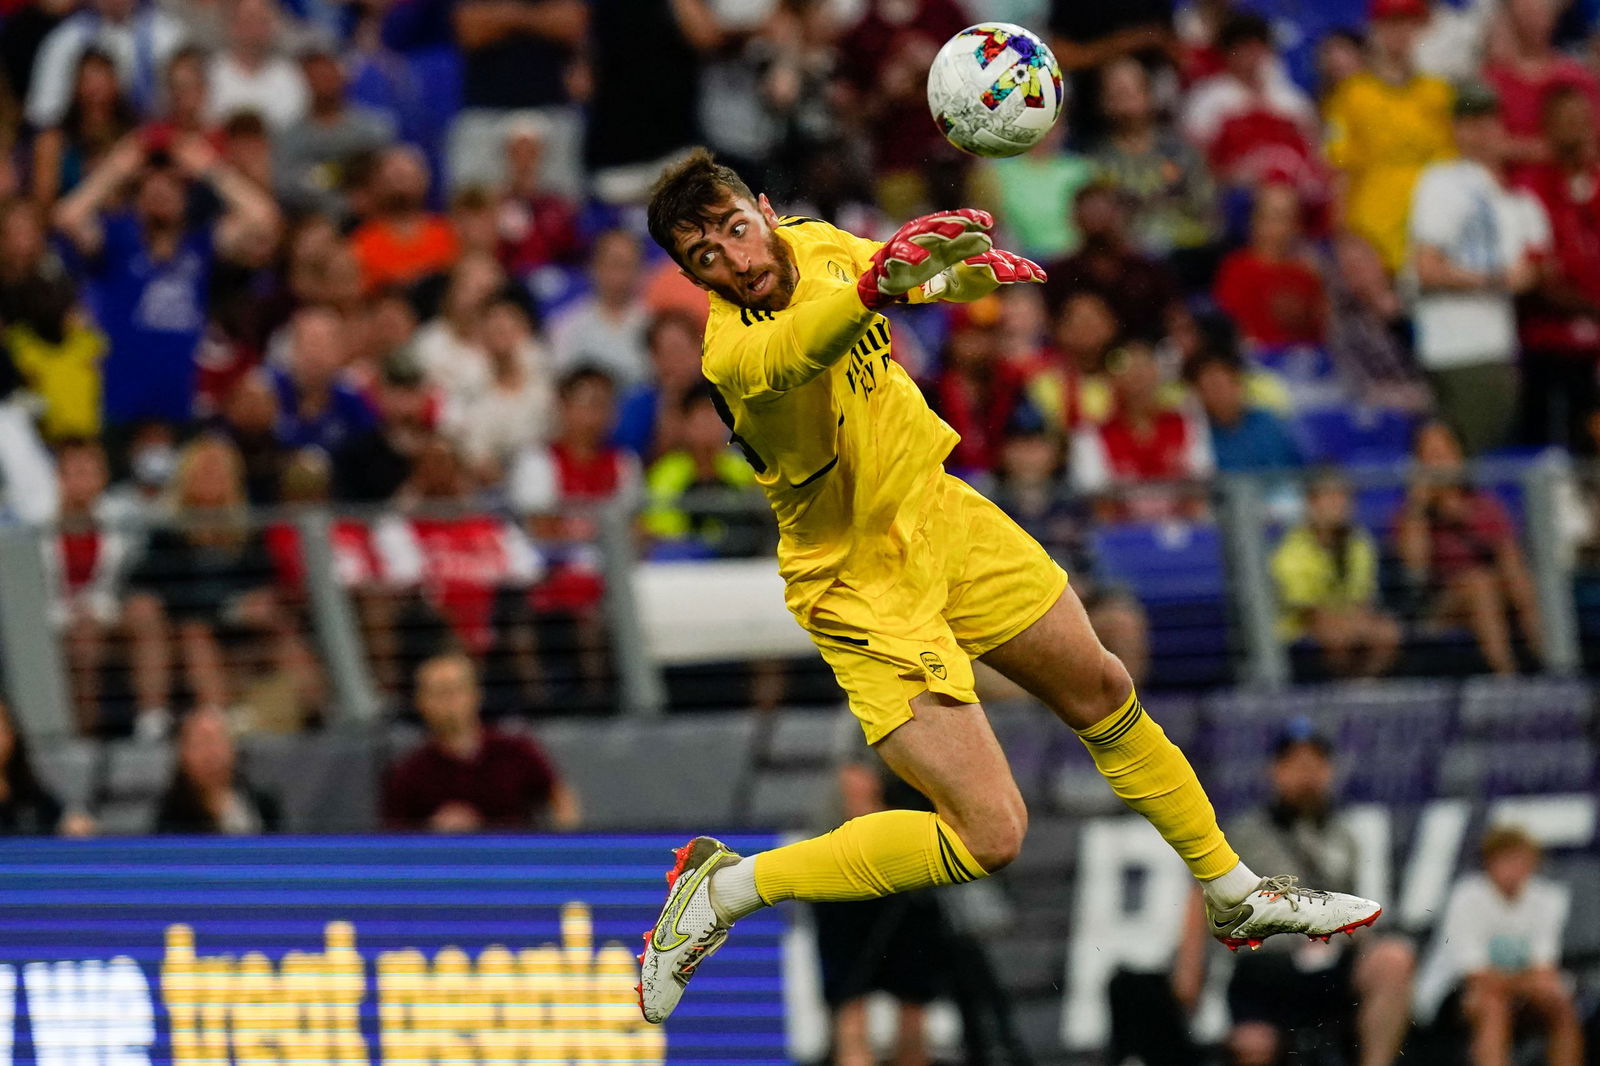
(995, 89)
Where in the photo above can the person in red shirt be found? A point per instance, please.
(1143, 449)
(1560, 323)
(1526, 70)
(401, 241)
(468, 777)
(1269, 286)
(1459, 547)
(536, 226)
(976, 391)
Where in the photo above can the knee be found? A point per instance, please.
(144, 612)
(1389, 966)
(995, 840)
(1098, 691)
(1253, 1044)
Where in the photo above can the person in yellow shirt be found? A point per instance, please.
(699, 494)
(903, 575)
(64, 374)
(1326, 574)
(1384, 125)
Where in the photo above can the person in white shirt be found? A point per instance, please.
(138, 40)
(1475, 244)
(1253, 81)
(252, 75)
(514, 406)
(1499, 944)
(607, 329)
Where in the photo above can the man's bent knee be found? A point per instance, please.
(1099, 691)
(995, 837)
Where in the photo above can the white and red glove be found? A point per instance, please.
(979, 275)
(922, 249)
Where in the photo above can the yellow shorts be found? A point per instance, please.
(971, 580)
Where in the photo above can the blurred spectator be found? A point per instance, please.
(650, 422)
(1244, 438)
(1560, 328)
(607, 329)
(371, 466)
(307, 483)
(1341, 54)
(537, 226)
(1359, 991)
(475, 222)
(1369, 334)
(1459, 548)
(467, 776)
(1067, 384)
(1031, 485)
(26, 807)
(1251, 121)
(975, 391)
(1384, 125)
(1174, 198)
(314, 157)
(1452, 45)
(139, 38)
(1085, 37)
(514, 407)
(88, 561)
(250, 420)
(150, 459)
(1524, 66)
(1474, 246)
(1271, 287)
(702, 496)
(1138, 290)
(148, 269)
(879, 945)
(1326, 573)
(653, 52)
(208, 794)
(400, 240)
(55, 350)
(883, 101)
(315, 408)
(250, 75)
(27, 477)
(185, 102)
(1033, 194)
(465, 563)
(98, 116)
(450, 345)
(204, 574)
(1143, 442)
(1499, 947)
(516, 58)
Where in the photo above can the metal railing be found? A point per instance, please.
(1201, 580)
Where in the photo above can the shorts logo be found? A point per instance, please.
(837, 271)
(934, 664)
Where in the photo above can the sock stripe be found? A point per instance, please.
(1120, 727)
(959, 874)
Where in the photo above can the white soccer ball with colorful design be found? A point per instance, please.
(995, 89)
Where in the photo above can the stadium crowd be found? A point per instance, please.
(389, 256)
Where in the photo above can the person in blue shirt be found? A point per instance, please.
(315, 408)
(1243, 438)
(650, 422)
(149, 267)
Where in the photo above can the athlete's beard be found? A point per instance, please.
(785, 276)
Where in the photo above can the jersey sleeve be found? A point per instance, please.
(759, 353)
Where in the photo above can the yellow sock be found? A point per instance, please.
(867, 857)
(1150, 774)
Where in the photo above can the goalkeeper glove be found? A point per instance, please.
(976, 277)
(920, 250)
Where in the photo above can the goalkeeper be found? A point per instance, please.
(903, 575)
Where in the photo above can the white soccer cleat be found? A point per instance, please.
(1280, 905)
(687, 933)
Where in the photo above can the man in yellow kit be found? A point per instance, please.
(903, 575)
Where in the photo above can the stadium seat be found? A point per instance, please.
(1309, 373)
(1356, 436)
(1176, 570)
(794, 799)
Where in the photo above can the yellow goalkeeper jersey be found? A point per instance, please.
(841, 439)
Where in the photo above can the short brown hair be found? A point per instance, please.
(1503, 838)
(686, 192)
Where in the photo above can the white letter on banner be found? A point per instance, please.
(1110, 931)
(90, 1013)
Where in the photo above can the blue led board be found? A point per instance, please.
(347, 950)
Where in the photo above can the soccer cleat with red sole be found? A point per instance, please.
(688, 931)
(1280, 905)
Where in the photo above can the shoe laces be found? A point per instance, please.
(1287, 887)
